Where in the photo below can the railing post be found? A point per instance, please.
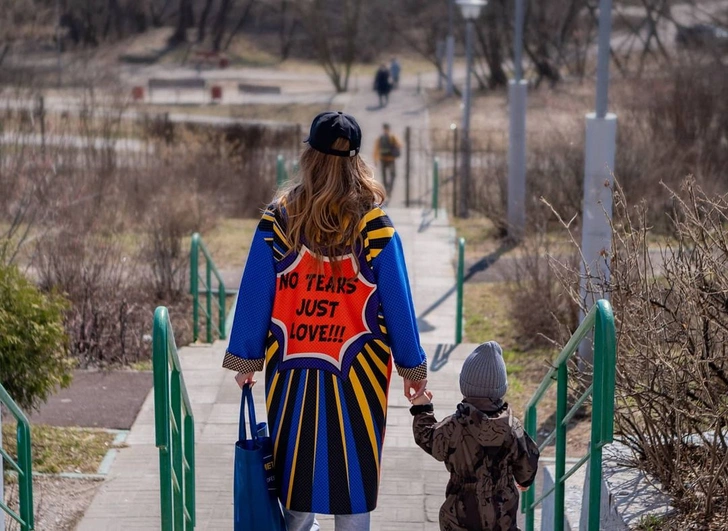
(208, 299)
(529, 495)
(280, 171)
(461, 281)
(407, 164)
(455, 147)
(190, 481)
(194, 285)
(2, 462)
(160, 342)
(602, 405)
(560, 464)
(221, 302)
(176, 448)
(435, 185)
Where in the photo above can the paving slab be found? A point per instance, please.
(97, 399)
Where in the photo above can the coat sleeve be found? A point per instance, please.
(432, 436)
(527, 454)
(246, 349)
(395, 295)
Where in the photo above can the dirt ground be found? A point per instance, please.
(59, 503)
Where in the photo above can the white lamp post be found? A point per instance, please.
(470, 10)
(601, 146)
(517, 97)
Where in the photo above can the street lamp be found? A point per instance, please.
(601, 142)
(470, 10)
(450, 46)
(517, 97)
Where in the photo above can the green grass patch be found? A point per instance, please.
(229, 242)
(56, 450)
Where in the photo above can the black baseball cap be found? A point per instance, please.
(329, 126)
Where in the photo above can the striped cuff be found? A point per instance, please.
(413, 373)
(238, 364)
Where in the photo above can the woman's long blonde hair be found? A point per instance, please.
(327, 201)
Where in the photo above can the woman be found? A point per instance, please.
(325, 305)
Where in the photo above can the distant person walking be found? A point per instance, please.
(395, 69)
(386, 151)
(382, 85)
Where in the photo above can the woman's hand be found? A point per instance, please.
(414, 388)
(244, 378)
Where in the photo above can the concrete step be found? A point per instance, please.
(572, 498)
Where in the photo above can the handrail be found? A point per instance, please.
(196, 248)
(435, 185)
(601, 319)
(174, 429)
(23, 466)
(281, 172)
(459, 302)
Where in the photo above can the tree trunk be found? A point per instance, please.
(219, 31)
(185, 20)
(241, 21)
(202, 27)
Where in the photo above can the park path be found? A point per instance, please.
(413, 484)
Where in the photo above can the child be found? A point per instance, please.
(483, 446)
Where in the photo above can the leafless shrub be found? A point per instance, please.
(555, 169)
(540, 312)
(107, 317)
(672, 314)
(106, 218)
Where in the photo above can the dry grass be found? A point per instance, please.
(56, 450)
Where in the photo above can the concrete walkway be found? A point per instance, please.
(413, 484)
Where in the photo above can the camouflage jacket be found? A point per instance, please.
(485, 448)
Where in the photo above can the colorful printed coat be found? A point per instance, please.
(327, 343)
(485, 448)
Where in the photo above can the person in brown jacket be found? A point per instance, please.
(484, 447)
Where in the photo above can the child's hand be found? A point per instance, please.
(426, 398)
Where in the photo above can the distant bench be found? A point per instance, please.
(177, 83)
(258, 89)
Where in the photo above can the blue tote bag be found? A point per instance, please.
(256, 499)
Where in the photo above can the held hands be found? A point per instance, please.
(426, 398)
(414, 388)
(243, 378)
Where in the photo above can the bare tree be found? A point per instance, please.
(220, 23)
(185, 20)
(334, 30)
(202, 27)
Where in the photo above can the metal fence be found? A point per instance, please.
(23, 466)
(175, 430)
(600, 319)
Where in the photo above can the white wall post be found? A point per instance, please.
(596, 232)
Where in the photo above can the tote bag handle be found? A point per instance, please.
(246, 403)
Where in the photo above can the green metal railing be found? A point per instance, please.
(460, 281)
(435, 185)
(23, 466)
(175, 430)
(601, 319)
(196, 281)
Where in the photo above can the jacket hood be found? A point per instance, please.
(489, 421)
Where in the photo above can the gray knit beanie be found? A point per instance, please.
(484, 373)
